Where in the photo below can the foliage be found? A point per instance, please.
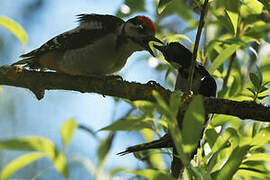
(236, 32)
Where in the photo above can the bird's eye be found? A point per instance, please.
(141, 29)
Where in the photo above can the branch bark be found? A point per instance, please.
(38, 82)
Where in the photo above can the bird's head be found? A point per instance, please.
(176, 54)
(141, 30)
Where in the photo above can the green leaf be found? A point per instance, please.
(132, 123)
(231, 5)
(151, 174)
(259, 75)
(20, 163)
(251, 7)
(175, 102)
(130, 7)
(262, 97)
(182, 11)
(252, 91)
(104, 147)
(15, 28)
(232, 165)
(162, 5)
(193, 124)
(40, 144)
(67, 130)
(261, 138)
(234, 19)
(116, 170)
(263, 89)
(250, 173)
(258, 157)
(144, 106)
(211, 136)
(255, 81)
(222, 57)
(234, 87)
(266, 4)
(163, 108)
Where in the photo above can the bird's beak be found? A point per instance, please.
(160, 48)
(147, 47)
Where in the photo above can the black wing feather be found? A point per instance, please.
(80, 38)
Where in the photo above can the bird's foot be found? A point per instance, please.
(109, 78)
(187, 98)
(153, 84)
(114, 77)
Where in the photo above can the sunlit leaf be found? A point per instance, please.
(151, 174)
(162, 5)
(222, 57)
(20, 163)
(67, 130)
(193, 124)
(15, 28)
(232, 165)
(250, 173)
(175, 101)
(266, 4)
(38, 144)
(262, 97)
(234, 19)
(104, 147)
(252, 91)
(258, 157)
(132, 123)
(163, 108)
(255, 81)
(261, 138)
(145, 106)
(234, 87)
(251, 7)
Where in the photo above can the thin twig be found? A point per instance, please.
(196, 46)
(225, 81)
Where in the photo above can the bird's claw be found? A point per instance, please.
(153, 83)
(113, 77)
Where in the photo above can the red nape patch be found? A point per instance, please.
(148, 23)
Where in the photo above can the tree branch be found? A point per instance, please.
(38, 82)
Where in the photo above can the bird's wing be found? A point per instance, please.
(208, 85)
(91, 28)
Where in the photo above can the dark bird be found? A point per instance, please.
(203, 83)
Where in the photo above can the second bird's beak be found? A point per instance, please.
(160, 48)
(147, 47)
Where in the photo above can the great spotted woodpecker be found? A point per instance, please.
(100, 45)
(203, 84)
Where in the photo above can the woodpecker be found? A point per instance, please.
(100, 45)
(203, 83)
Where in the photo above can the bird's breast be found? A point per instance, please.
(99, 58)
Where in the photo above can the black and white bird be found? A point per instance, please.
(203, 83)
(100, 45)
